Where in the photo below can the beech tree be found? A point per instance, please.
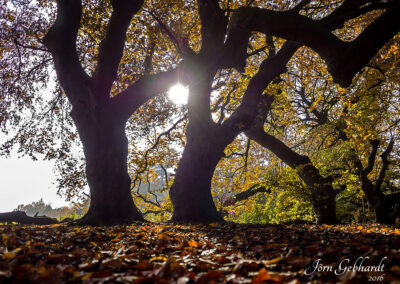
(101, 107)
(224, 45)
(100, 118)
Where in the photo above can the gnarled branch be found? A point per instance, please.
(112, 46)
(244, 195)
(61, 42)
(385, 165)
(339, 55)
(213, 25)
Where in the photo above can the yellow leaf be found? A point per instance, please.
(8, 256)
(314, 104)
(117, 238)
(86, 276)
(156, 258)
(4, 237)
(16, 250)
(274, 260)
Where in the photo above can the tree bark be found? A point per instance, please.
(381, 203)
(206, 140)
(106, 149)
(323, 195)
(191, 191)
(383, 210)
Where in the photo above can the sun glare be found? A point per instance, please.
(178, 94)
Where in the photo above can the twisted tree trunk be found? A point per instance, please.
(386, 206)
(191, 191)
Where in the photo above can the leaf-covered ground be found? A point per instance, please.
(218, 253)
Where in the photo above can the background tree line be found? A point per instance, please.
(40, 208)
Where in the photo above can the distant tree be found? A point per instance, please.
(38, 207)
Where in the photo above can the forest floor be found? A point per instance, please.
(217, 253)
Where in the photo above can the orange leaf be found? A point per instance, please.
(262, 276)
(193, 244)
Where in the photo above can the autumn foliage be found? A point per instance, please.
(229, 253)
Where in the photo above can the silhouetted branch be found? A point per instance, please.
(112, 46)
(244, 195)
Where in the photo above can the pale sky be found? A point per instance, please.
(23, 181)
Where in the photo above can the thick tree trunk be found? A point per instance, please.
(383, 212)
(324, 203)
(323, 194)
(99, 118)
(385, 206)
(382, 205)
(106, 150)
(191, 191)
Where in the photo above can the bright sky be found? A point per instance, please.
(23, 181)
